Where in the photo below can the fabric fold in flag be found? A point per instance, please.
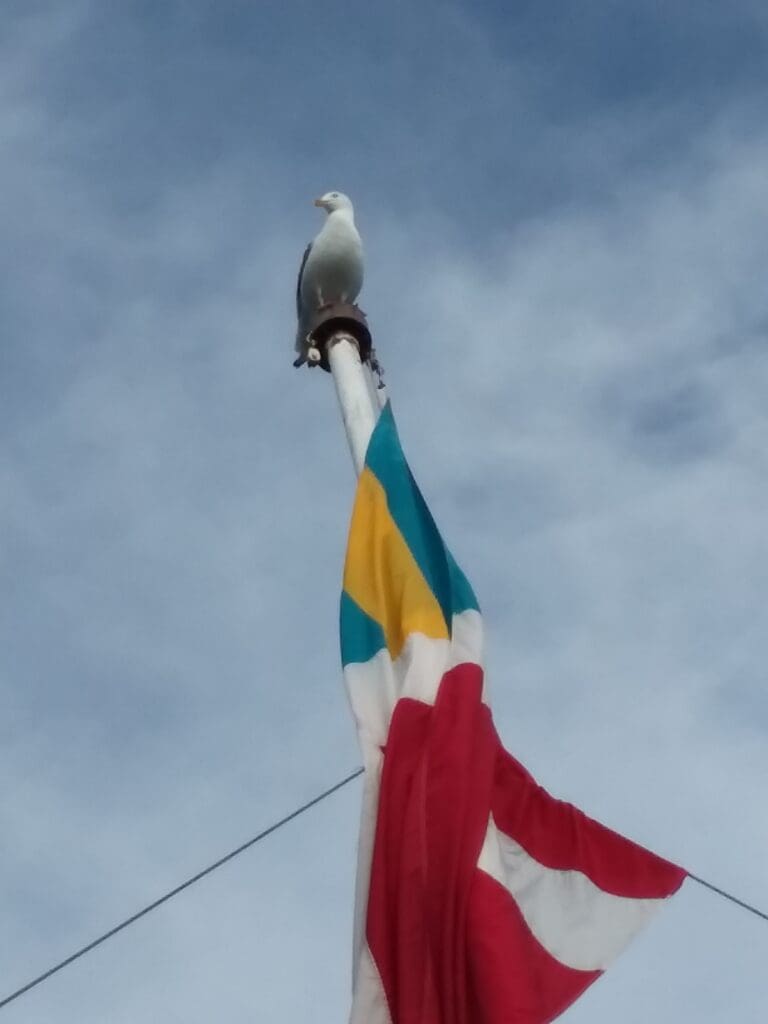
(480, 898)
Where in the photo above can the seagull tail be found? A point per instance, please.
(300, 346)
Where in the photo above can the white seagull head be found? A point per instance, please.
(334, 201)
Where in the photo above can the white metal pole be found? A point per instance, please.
(359, 410)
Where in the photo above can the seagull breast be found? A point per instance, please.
(333, 271)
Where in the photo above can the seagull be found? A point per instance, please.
(331, 270)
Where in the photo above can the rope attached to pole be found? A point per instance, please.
(175, 891)
(241, 849)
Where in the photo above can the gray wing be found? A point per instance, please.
(300, 342)
(304, 259)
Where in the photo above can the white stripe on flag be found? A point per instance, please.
(575, 921)
(369, 1004)
(375, 686)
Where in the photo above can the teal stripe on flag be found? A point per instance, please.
(361, 636)
(463, 596)
(386, 460)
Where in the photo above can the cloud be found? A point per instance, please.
(572, 317)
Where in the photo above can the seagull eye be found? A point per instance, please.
(334, 195)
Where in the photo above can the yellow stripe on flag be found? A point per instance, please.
(382, 576)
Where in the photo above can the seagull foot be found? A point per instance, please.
(377, 369)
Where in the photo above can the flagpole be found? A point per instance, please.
(340, 342)
(359, 411)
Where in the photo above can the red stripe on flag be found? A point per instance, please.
(514, 979)
(461, 757)
(560, 836)
(433, 814)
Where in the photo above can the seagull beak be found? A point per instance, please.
(319, 202)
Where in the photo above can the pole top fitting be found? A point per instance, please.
(339, 317)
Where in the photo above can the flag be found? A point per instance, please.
(480, 898)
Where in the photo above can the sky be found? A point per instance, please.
(564, 214)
